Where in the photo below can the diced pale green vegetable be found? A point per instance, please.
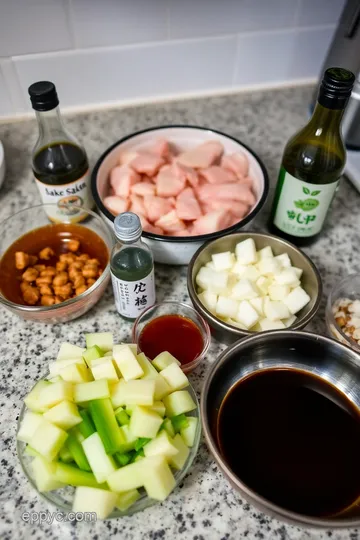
(129, 409)
(104, 340)
(67, 350)
(56, 367)
(65, 415)
(179, 422)
(168, 427)
(76, 450)
(48, 440)
(65, 455)
(118, 394)
(31, 452)
(178, 460)
(56, 392)
(160, 446)
(162, 388)
(179, 402)
(130, 440)
(175, 377)
(127, 499)
(158, 407)
(32, 399)
(89, 499)
(68, 474)
(137, 392)
(188, 432)
(147, 367)
(44, 474)
(159, 481)
(91, 390)
(144, 422)
(127, 362)
(106, 425)
(86, 427)
(92, 354)
(29, 425)
(163, 360)
(128, 477)
(121, 416)
(76, 373)
(101, 464)
(104, 370)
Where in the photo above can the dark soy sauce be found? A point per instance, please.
(293, 439)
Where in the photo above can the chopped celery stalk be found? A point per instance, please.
(179, 422)
(76, 450)
(65, 455)
(86, 427)
(168, 427)
(127, 499)
(44, 474)
(121, 416)
(123, 459)
(48, 440)
(67, 350)
(65, 415)
(163, 360)
(101, 464)
(32, 399)
(68, 474)
(188, 433)
(30, 451)
(89, 499)
(106, 425)
(91, 390)
(92, 353)
(141, 442)
(104, 340)
(130, 440)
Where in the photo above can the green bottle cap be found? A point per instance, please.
(127, 227)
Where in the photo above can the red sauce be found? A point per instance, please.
(173, 333)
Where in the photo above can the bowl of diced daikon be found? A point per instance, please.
(253, 282)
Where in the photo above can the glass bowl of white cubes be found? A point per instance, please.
(253, 282)
(107, 431)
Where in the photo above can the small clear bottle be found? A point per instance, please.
(132, 268)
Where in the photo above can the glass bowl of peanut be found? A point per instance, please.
(53, 270)
(343, 311)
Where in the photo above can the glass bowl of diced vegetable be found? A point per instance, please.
(82, 451)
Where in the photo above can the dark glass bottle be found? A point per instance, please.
(132, 268)
(312, 164)
(60, 164)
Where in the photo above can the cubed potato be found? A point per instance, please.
(266, 324)
(278, 292)
(263, 284)
(209, 300)
(265, 253)
(289, 321)
(246, 251)
(287, 277)
(251, 273)
(227, 307)
(244, 290)
(275, 310)
(223, 261)
(247, 315)
(258, 304)
(296, 300)
(210, 279)
(269, 266)
(298, 271)
(238, 269)
(284, 260)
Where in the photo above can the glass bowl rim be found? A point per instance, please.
(71, 301)
(330, 314)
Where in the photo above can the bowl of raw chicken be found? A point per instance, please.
(187, 184)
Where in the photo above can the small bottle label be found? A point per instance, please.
(67, 197)
(133, 297)
(302, 207)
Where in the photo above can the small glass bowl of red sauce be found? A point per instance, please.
(174, 327)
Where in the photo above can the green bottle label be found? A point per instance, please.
(302, 207)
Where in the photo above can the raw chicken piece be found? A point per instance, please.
(235, 192)
(188, 173)
(116, 205)
(202, 156)
(147, 163)
(121, 179)
(172, 201)
(237, 163)
(161, 148)
(144, 222)
(170, 222)
(237, 208)
(187, 206)
(155, 230)
(143, 188)
(137, 205)
(156, 207)
(218, 175)
(246, 181)
(168, 183)
(126, 156)
(183, 232)
(212, 222)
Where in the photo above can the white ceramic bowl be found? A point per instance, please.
(170, 249)
(2, 164)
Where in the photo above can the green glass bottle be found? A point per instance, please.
(132, 268)
(312, 164)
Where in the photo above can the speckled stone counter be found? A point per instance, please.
(204, 506)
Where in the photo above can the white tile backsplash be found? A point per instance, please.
(191, 18)
(31, 26)
(99, 51)
(114, 22)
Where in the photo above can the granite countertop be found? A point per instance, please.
(204, 506)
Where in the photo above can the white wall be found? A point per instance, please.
(99, 51)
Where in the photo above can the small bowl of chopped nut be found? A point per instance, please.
(53, 271)
(343, 311)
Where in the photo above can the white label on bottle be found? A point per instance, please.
(302, 207)
(67, 197)
(133, 297)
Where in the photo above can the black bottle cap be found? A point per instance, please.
(43, 96)
(336, 87)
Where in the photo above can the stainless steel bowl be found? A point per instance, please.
(324, 357)
(310, 280)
